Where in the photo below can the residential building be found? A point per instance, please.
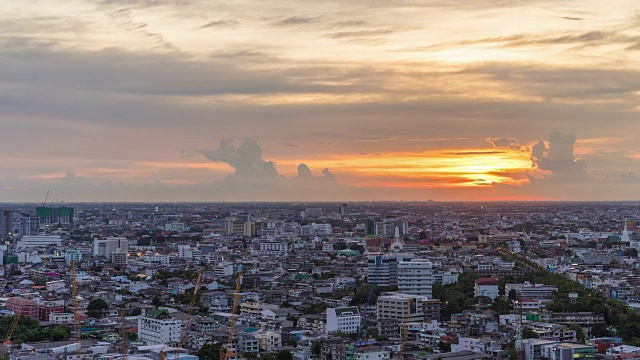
(568, 351)
(534, 348)
(486, 287)
(38, 241)
(158, 327)
(269, 339)
(106, 247)
(383, 269)
(527, 290)
(395, 306)
(415, 277)
(23, 307)
(346, 320)
(61, 318)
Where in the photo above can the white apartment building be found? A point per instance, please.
(222, 270)
(415, 277)
(38, 241)
(486, 287)
(106, 247)
(185, 252)
(72, 255)
(162, 259)
(61, 318)
(346, 320)
(273, 248)
(158, 327)
(371, 352)
(383, 269)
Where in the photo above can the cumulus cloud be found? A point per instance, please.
(246, 159)
(304, 172)
(249, 164)
(556, 155)
(328, 175)
(504, 142)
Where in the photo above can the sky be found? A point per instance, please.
(243, 100)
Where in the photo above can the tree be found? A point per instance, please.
(316, 349)
(284, 355)
(633, 252)
(580, 335)
(209, 352)
(528, 333)
(157, 301)
(96, 307)
(444, 347)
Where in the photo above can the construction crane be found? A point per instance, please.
(405, 329)
(76, 309)
(123, 335)
(232, 321)
(190, 311)
(45, 199)
(4, 354)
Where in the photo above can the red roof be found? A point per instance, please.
(486, 281)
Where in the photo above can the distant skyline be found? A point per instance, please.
(149, 100)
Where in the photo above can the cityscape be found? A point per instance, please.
(330, 281)
(319, 180)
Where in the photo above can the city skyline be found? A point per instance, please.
(152, 100)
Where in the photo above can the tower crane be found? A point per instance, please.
(76, 309)
(123, 335)
(232, 321)
(405, 329)
(190, 311)
(4, 353)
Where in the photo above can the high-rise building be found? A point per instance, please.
(415, 308)
(344, 210)
(106, 247)
(26, 225)
(6, 222)
(56, 215)
(383, 269)
(415, 277)
(371, 227)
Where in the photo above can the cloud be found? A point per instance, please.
(328, 175)
(359, 34)
(504, 142)
(304, 172)
(246, 159)
(219, 23)
(556, 155)
(298, 20)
